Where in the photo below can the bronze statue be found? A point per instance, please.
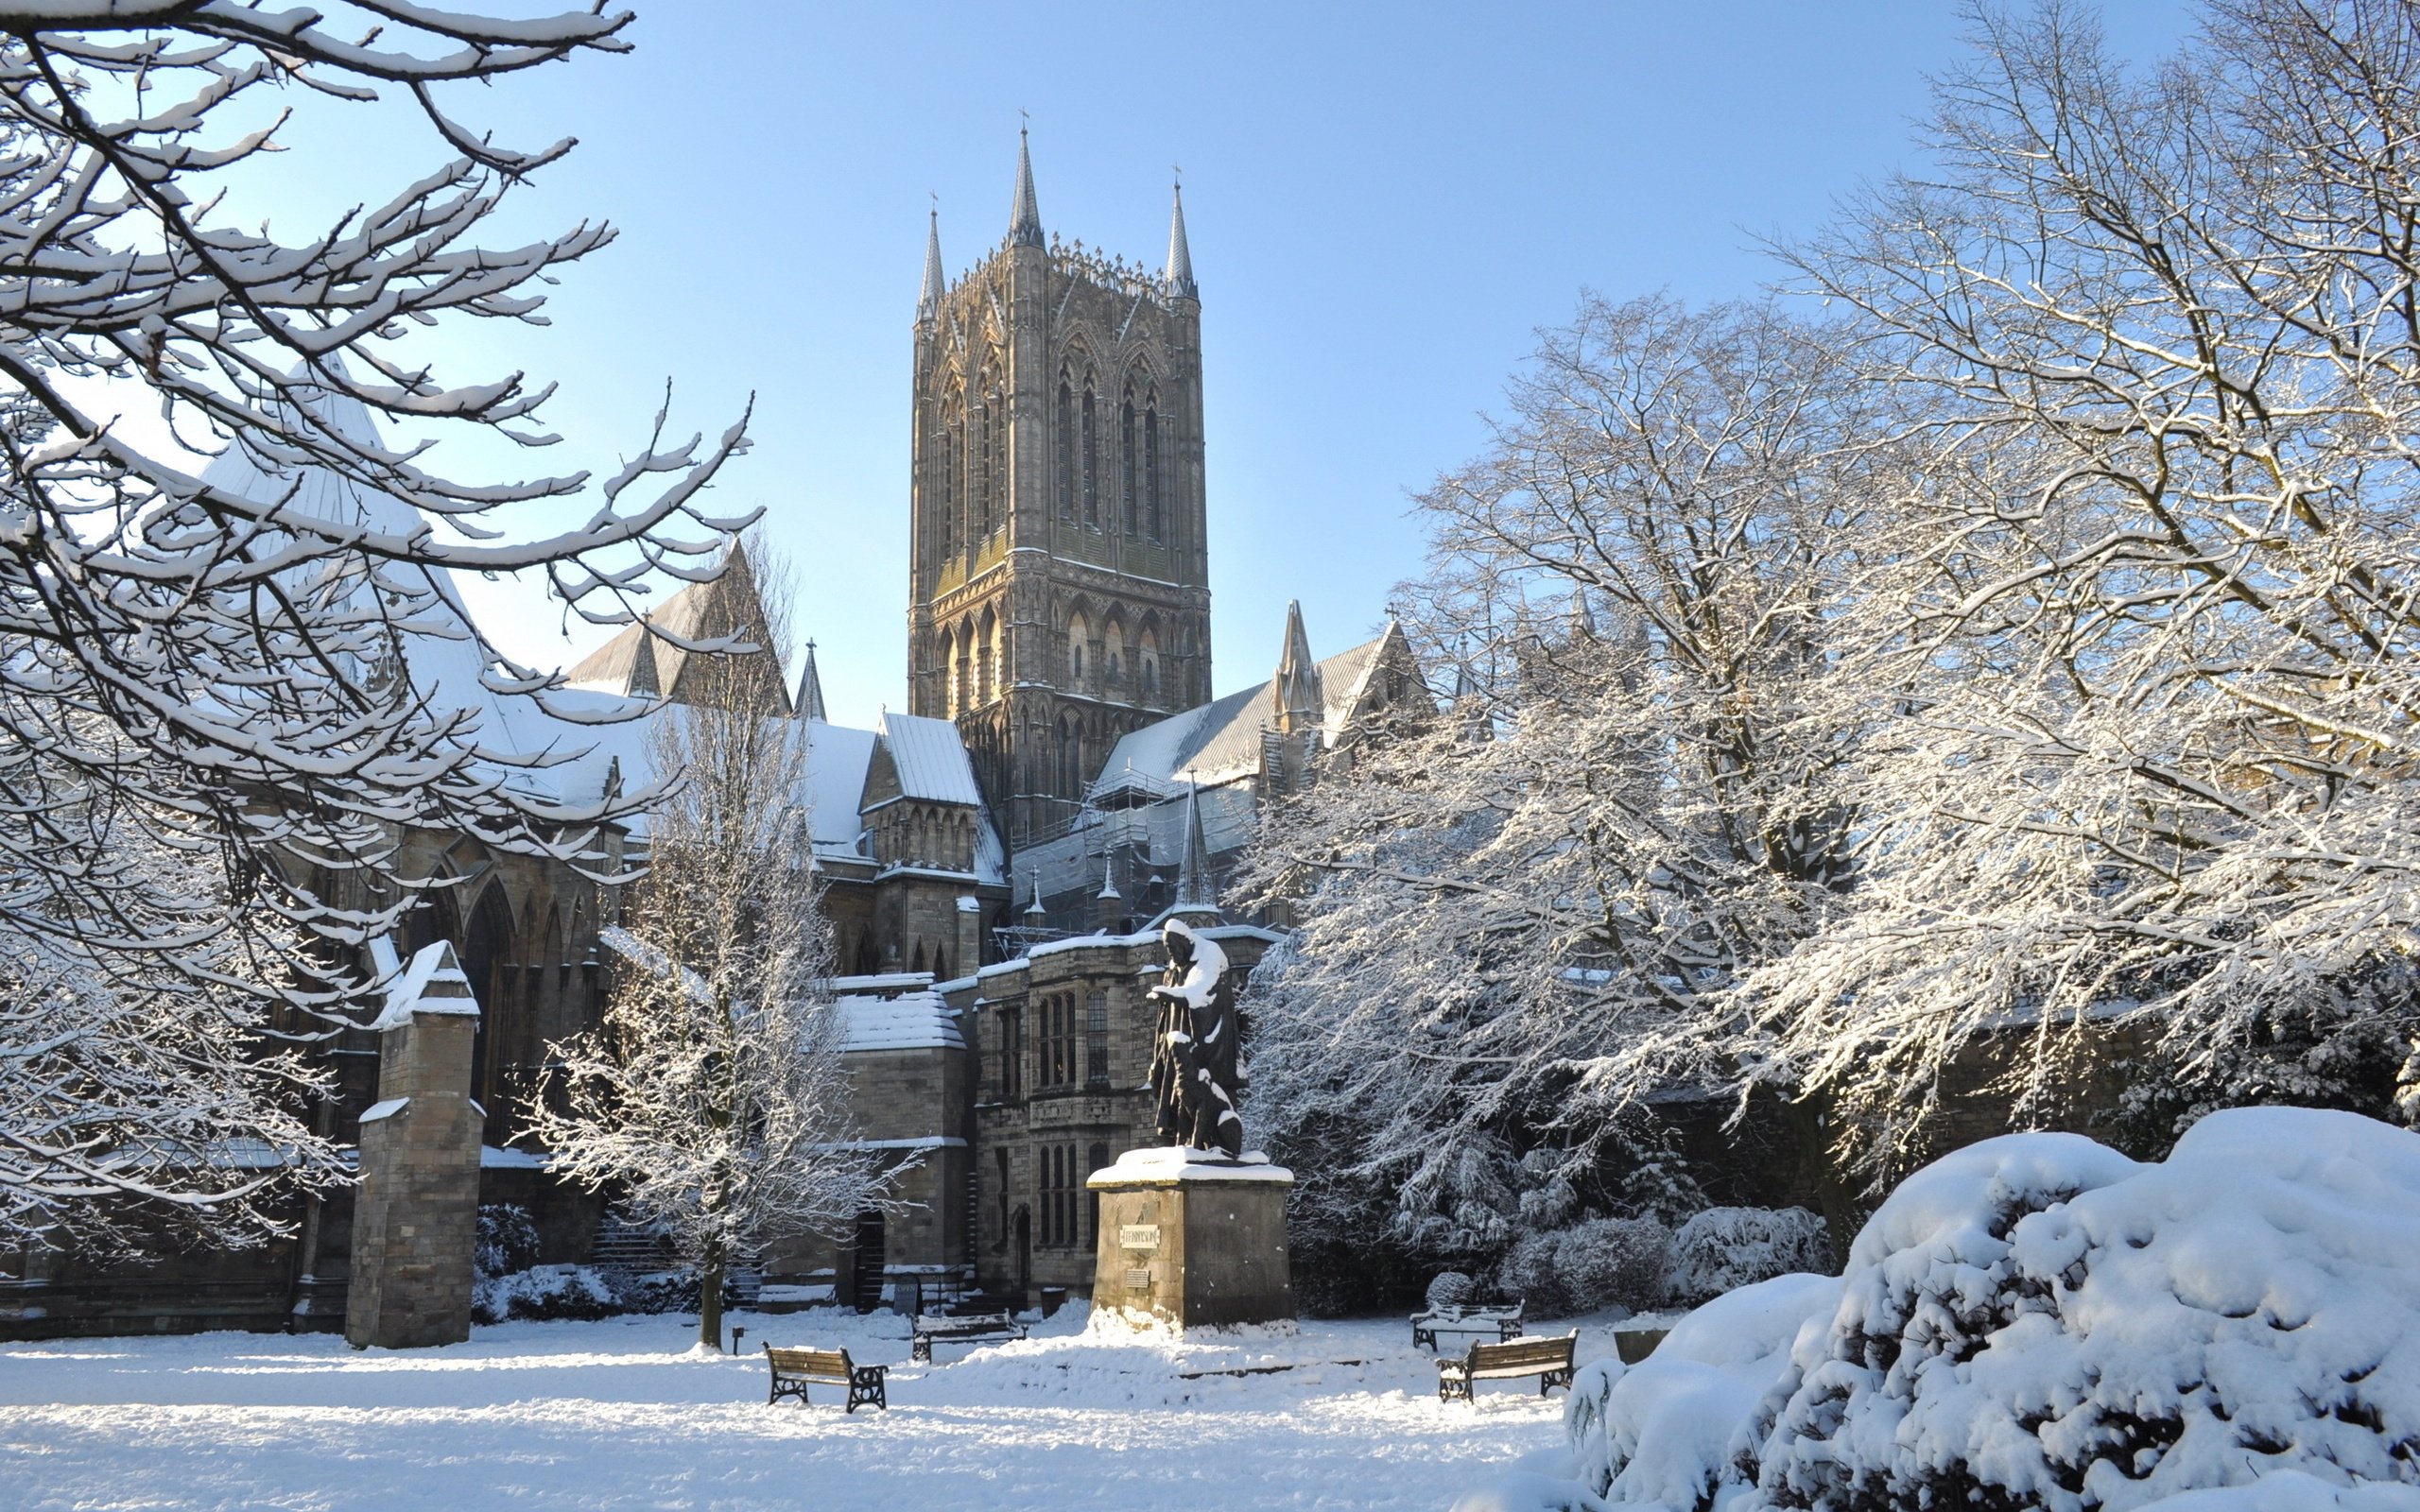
(1194, 1052)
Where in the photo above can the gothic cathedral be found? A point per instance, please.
(1058, 578)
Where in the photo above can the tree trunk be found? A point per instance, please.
(710, 1271)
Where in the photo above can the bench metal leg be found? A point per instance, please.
(866, 1389)
(788, 1388)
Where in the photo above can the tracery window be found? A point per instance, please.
(1096, 1039)
(1091, 462)
(1063, 449)
(1055, 1063)
(1061, 1179)
(1154, 513)
(1126, 461)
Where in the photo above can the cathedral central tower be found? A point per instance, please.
(1059, 572)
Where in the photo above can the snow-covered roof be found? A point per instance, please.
(916, 1020)
(1155, 831)
(836, 759)
(931, 758)
(590, 740)
(1220, 741)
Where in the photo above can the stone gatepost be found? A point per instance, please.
(1193, 1239)
(415, 1216)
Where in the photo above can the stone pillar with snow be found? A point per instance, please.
(415, 1216)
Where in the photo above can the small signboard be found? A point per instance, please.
(1139, 1236)
(1139, 1278)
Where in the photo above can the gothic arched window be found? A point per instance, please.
(1154, 513)
(952, 429)
(980, 525)
(1092, 461)
(1126, 461)
(1063, 449)
(1071, 758)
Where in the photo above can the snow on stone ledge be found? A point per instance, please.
(915, 1021)
(2038, 1321)
(1177, 1163)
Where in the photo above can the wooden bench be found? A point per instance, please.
(1548, 1359)
(1502, 1319)
(794, 1369)
(974, 1327)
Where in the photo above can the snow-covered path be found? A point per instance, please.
(613, 1415)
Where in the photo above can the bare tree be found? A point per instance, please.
(1525, 915)
(232, 662)
(2160, 762)
(713, 1099)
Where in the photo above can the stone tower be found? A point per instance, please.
(1059, 573)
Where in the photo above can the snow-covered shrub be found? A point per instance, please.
(1665, 1430)
(544, 1294)
(1451, 1288)
(1724, 1248)
(1595, 1262)
(1529, 1272)
(1612, 1262)
(2038, 1321)
(508, 1241)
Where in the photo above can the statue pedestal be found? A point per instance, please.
(1193, 1239)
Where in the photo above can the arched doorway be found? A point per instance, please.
(865, 1262)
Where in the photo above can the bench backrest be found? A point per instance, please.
(1474, 1312)
(808, 1362)
(964, 1323)
(1517, 1353)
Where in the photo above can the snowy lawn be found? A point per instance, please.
(616, 1414)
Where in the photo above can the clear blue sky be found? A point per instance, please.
(1385, 202)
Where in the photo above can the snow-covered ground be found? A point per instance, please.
(617, 1415)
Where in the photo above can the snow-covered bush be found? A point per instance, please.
(544, 1294)
(508, 1241)
(1451, 1288)
(1528, 1271)
(1612, 1263)
(2038, 1321)
(1663, 1430)
(1722, 1249)
(1595, 1262)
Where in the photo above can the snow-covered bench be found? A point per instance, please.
(1501, 1319)
(794, 1369)
(1548, 1359)
(974, 1327)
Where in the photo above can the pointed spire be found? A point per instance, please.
(1195, 893)
(1108, 876)
(1583, 617)
(810, 703)
(1299, 701)
(1033, 911)
(929, 304)
(1024, 218)
(1180, 271)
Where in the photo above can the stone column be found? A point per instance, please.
(415, 1215)
(1193, 1239)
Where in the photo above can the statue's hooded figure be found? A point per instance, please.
(1194, 1053)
